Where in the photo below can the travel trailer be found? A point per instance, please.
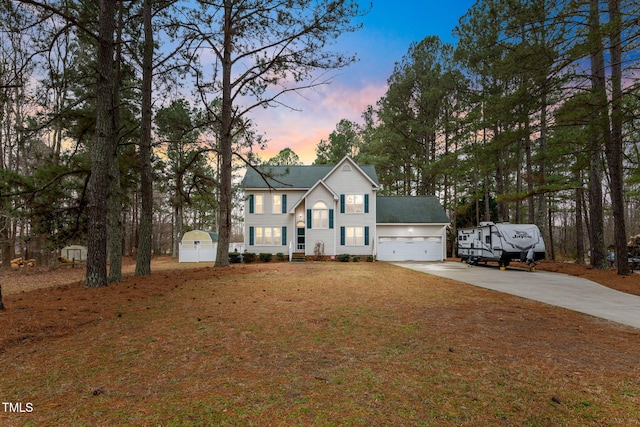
(501, 243)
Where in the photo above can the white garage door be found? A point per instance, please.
(410, 248)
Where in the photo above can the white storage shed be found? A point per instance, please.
(198, 246)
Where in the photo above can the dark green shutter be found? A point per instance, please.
(284, 236)
(308, 218)
(252, 234)
(342, 236)
(366, 236)
(366, 203)
(330, 218)
(342, 203)
(283, 201)
(251, 203)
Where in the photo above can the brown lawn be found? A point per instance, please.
(313, 344)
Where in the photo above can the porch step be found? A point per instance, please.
(298, 257)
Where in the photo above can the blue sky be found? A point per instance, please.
(388, 30)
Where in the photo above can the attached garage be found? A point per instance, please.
(410, 229)
(404, 248)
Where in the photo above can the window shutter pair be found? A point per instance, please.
(252, 236)
(343, 236)
(343, 203)
(310, 218)
(252, 203)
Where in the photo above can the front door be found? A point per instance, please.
(300, 239)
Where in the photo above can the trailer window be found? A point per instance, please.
(487, 239)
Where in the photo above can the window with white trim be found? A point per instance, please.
(354, 236)
(320, 215)
(354, 203)
(258, 204)
(268, 236)
(277, 204)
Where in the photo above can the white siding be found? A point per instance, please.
(326, 236)
(350, 180)
(270, 219)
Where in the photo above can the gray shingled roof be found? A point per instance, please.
(410, 210)
(304, 176)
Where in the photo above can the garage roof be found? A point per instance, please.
(410, 210)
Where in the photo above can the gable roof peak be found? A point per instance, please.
(347, 158)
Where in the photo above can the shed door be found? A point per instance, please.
(415, 248)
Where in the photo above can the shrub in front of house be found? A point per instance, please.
(235, 257)
(369, 258)
(356, 258)
(281, 257)
(343, 257)
(265, 257)
(248, 257)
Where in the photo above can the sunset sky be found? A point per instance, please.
(388, 30)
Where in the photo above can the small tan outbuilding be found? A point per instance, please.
(198, 246)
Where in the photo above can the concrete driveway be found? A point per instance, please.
(557, 289)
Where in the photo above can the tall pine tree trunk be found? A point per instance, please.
(6, 245)
(115, 223)
(143, 261)
(597, 134)
(115, 195)
(178, 215)
(101, 152)
(226, 145)
(531, 214)
(579, 222)
(613, 144)
(539, 217)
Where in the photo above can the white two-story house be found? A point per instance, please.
(331, 210)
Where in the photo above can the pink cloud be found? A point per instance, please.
(320, 111)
